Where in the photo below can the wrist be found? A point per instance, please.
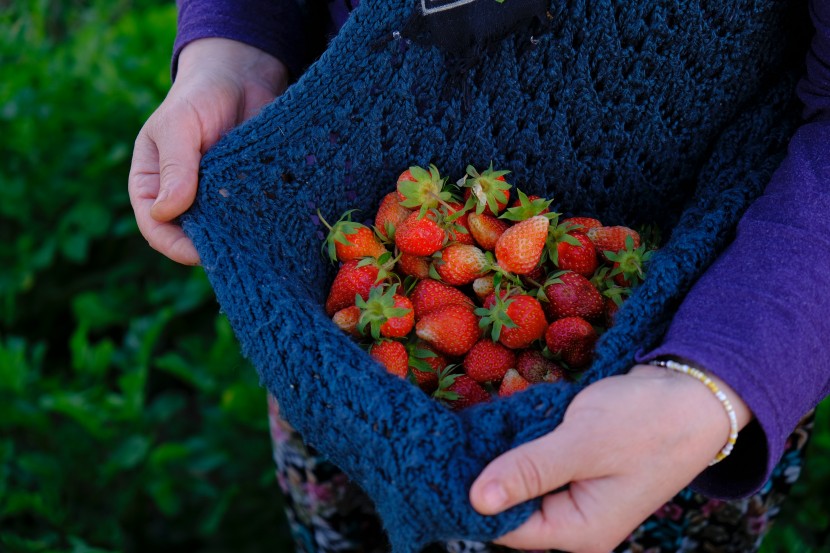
(234, 58)
(703, 403)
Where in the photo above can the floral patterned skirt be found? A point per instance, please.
(328, 513)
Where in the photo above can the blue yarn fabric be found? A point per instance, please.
(669, 112)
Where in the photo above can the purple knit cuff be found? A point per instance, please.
(273, 27)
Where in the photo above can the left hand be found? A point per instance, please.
(626, 446)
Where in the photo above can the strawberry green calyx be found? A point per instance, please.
(488, 189)
(617, 294)
(378, 309)
(422, 189)
(629, 263)
(446, 378)
(495, 318)
(385, 264)
(559, 233)
(528, 208)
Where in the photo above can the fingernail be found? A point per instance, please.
(163, 193)
(494, 495)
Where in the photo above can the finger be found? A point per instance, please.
(528, 471)
(178, 140)
(591, 516)
(143, 186)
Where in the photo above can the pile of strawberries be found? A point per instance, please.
(467, 297)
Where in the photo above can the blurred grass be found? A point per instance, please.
(128, 420)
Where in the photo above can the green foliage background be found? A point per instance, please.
(128, 420)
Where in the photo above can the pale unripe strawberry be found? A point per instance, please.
(461, 264)
(520, 248)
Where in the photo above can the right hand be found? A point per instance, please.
(220, 83)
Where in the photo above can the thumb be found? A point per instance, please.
(179, 153)
(528, 471)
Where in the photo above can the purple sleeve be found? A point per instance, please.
(273, 26)
(758, 318)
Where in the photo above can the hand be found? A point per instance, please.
(219, 84)
(626, 446)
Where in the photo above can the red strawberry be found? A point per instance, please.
(461, 264)
(582, 224)
(535, 367)
(612, 239)
(572, 339)
(580, 258)
(414, 265)
(451, 329)
(629, 263)
(512, 383)
(516, 320)
(390, 214)
(486, 229)
(572, 295)
(346, 320)
(459, 391)
(520, 248)
(386, 313)
(349, 240)
(611, 309)
(391, 355)
(430, 294)
(488, 361)
(351, 280)
(418, 235)
(486, 192)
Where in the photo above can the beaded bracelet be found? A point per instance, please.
(730, 411)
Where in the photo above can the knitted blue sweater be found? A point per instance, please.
(674, 112)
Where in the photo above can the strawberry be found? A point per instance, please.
(487, 191)
(582, 224)
(513, 382)
(487, 361)
(535, 367)
(486, 229)
(430, 294)
(450, 329)
(349, 240)
(425, 363)
(484, 286)
(418, 235)
(520, 248)
(514, 320)
(392, 355)
(570, 294)
(459, 391)
(414, 265)
(390, 214)
(353, 279)
(421, 189)
(612, 239)
(386, 313)
(346, 320)
(461, 264)
(572, 339)
(576, 253)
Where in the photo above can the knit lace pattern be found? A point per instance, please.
(659, 111)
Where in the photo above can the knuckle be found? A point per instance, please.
(530, 475)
